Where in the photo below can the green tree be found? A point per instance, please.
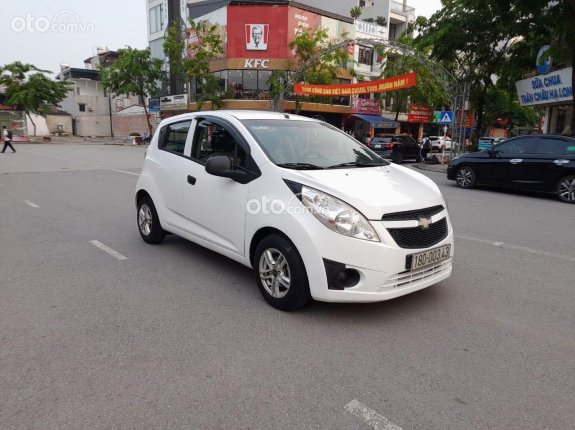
(175, 51)
(134, 72)
(475, 37)
(318, 60)
(428, 90)
(28, 88)
(210, 45)
(486, 39)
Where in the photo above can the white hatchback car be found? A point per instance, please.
(440, 143)
(315, 213)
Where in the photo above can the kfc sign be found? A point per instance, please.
(257, 37)
(256, 63)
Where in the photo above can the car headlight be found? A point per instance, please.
(335, 214)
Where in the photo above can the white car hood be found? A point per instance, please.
(373, 191)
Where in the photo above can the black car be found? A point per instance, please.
(398, 147)
(536, 162)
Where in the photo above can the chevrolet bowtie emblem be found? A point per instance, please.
(424, 223)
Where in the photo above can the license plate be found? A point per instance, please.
(427, 258)
(377, 146)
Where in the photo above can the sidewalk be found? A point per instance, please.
(77, 140)
(442, 168)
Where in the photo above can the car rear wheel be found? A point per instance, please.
(397, 157)
(566, 189)
(148, 222)
(280, 273)
(465, 177)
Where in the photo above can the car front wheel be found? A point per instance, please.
(465, 177)
(280, 273)
(148, 221)
(566, 189)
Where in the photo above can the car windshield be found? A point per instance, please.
(310, 145)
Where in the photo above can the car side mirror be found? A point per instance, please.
(490, 152)
(221, 165)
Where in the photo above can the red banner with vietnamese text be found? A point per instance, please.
(389, 84)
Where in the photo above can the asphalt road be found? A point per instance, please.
(175, 336)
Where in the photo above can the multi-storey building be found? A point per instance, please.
(94, 111)
(246, 66)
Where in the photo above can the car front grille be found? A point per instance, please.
(415, 214)
(417, 237)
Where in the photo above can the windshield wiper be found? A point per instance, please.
(300, 166)
(359, 164)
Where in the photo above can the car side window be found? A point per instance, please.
(550, 146)
(211, 140)
(173, 137)
(519, 146)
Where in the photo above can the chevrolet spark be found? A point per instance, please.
(313, 212)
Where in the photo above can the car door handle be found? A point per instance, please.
(515, 160)
(191, 180)
(560, 162)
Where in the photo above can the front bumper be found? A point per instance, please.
(381, 267)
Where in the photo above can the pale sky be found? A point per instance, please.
(425, 7)
(49, 32)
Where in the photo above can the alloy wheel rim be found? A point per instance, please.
(274, 273)
(567, 189)
(145, 219)
(464, 177)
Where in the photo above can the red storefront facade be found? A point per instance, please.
(257, 41)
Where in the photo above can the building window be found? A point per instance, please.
(263, 77)
(156, 19)
(365, 55)
(82, 107)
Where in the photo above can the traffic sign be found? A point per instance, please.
(446, 117)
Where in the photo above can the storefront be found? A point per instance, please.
(257, 39)
(554, 92)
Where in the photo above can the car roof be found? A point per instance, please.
(244, 115)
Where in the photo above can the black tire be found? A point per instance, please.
(566, 189)
(271, 281)
(418, 158)
(465, 177)
(148, 221)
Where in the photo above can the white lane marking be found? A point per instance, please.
(109, 250)
(123, 171)
(372, 418)
(519, 248)
(32, 205)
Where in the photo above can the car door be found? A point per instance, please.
(552, 157)
(504, 164)
(410, 148)
(215, 207)
(168, 166)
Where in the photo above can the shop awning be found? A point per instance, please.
(377, 121)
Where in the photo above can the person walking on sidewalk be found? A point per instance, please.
(425, 147)
(7, 135)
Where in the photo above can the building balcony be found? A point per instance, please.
(402, 9)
